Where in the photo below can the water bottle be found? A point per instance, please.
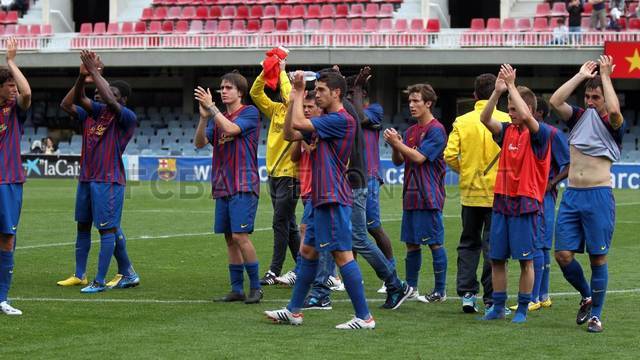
(308, 75)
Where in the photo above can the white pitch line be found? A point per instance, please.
(200, 301)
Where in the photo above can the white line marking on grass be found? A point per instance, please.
(195, 301)
(628, 204)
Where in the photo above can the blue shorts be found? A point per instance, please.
(515, 236)
(10, 206)
(586, 217)
(306, 211)
(373, 203)
(329, 228)
(548, 225)
(422, 227)
(100, 203)
(236, 213)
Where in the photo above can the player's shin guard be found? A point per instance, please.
(107, 245)
(120, 253)
(236, 277)
(413, 263)
(6, 273)
(538, 269)
(308, 271)
(575, 276)
(83, 246)
(599, 280)
(440, 268)
(253, 274)
(352, 278)
(544, 283)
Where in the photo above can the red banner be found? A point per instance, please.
(626, 57)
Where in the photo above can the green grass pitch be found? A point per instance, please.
(183, 266)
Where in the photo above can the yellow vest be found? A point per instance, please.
(278, 149)
(470, 151)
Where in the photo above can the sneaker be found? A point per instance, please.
(335, 284)
(284, 316)
(269, 278)
(415, 295)
(546, 303)
(533, 306)
(95, 287)
(585, 311)
(128, 281)
(255, 295)
(73, 281)
(507, 311)
(357, 323)
(594, 325)
(116, 279)
(395, 299)
(8, 309)
(312, 303)
(230, 297)
(469, 303)
(382, 290)
(288, 279)
(433, 297)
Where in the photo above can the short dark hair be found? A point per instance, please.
(542, 106)
(334, 81)
(425, 90)
(528, 96)
(123, 87)
(484, 85)
(594, 83)
(311, 95)
(5, 75)
(237, 80)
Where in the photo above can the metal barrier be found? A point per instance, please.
(451, 39)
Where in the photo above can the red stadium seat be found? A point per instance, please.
(202, 13)
(99, 28)
(211, 26)
(386, 11)
(386, 26)
(313, 12)
(634, 24)
(523, 24)
(127, 28)
(167, 27)
(559, 9)
(154, 27)
(238, 26)
(215, 12)
(228, 12)
(327, 11)
(253, 26)
(188, 13)
(196, 26)
(256, 12)
(286, 12)
(298, 12)
(401, 25)
(86, 29)
(270, 12)
(477, 24)
(160, 13)
(493, 24)
(3, 17)
(224, 26)
(342, 10)
(175, 12)
(12, 17)
(47, 30)
(417, 26)
(268, 26)
(357, 10)
(22, 30)
(113, 29)
(371, 25)
(297, 25)
(182, 27)
(242, 12)
(35, 30)
(140, 27)
(357, 25)
(509, 24)
(147, 14)
(543, 10)
(372, 10)
(433, 25)
(326, 25)
(540, 24)
(10, 29)
(587, 9)
(282, 25)
(313, 25)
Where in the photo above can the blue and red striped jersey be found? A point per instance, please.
(559, 156)
(234, 164)
(423, 187)
(104, 138)
(329, 162)
(519, 205)
(374, 113)
(11, 129)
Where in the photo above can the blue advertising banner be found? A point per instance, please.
(623, 175)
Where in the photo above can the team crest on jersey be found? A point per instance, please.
(167, 169)
(97, 130)
(224, 138)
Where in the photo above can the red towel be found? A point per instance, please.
(271, 66)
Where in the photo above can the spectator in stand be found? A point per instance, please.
(36, 147)
(617, 10)
(6, 4)
(575, 9)
(598, 15)
(560, 32)
(49, 146)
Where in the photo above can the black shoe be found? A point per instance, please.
(585, 311)
(312, 303)
(255, 295)
(232, 296)
(594, 325)
(269, 278)
(435, 297)
(396, 298)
